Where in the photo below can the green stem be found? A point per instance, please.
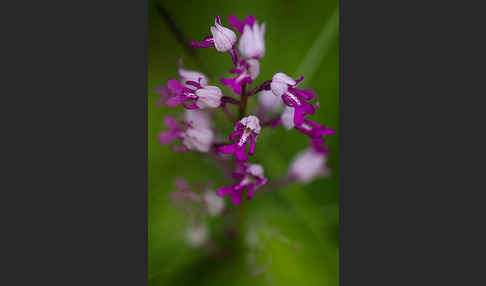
(244, 99)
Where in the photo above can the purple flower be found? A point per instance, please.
(246, 130)
(193, 97)
(308, 165)
(193, 138)
(249, 176)
(185, 76)
(246, 72)
(252, 43)
(222, 38)
(284, 86)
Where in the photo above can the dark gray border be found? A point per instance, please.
(78, 162)
(410, 173)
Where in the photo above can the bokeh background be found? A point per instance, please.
(296, 226)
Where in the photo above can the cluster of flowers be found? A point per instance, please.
(194, 93)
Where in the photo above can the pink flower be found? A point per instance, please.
(192, 97)
(284, 86)
(249, 176)
(222, 38)
(246, 130)
(308, 165)
(198, 139)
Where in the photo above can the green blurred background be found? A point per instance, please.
(297, 226)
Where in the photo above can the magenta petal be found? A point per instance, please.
(250, 20)
(252, 146)
(308, 108)
(236, 23)
(240, 155)
(229, 82)
(207, 42)
(298, 116)
(175, 85)
(236, 198)
(175, 101)
(297, 81)
(223, 191)
(170, 122)
(234, 134)
(166, 137)
(227, 149)
(251, 189)
(237, 176)
(305, 94)
(162, 90)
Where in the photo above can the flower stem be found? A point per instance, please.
(244, 99)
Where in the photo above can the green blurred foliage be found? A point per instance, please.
(297, 226)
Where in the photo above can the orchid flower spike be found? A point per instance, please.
(193, 138)
(249, 176)
(246, 130)
(247, 71)
(308, 165)
(198, 96)
(222, 38)
(284, 86)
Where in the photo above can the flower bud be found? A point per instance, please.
(252, 44)
(224, 38)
